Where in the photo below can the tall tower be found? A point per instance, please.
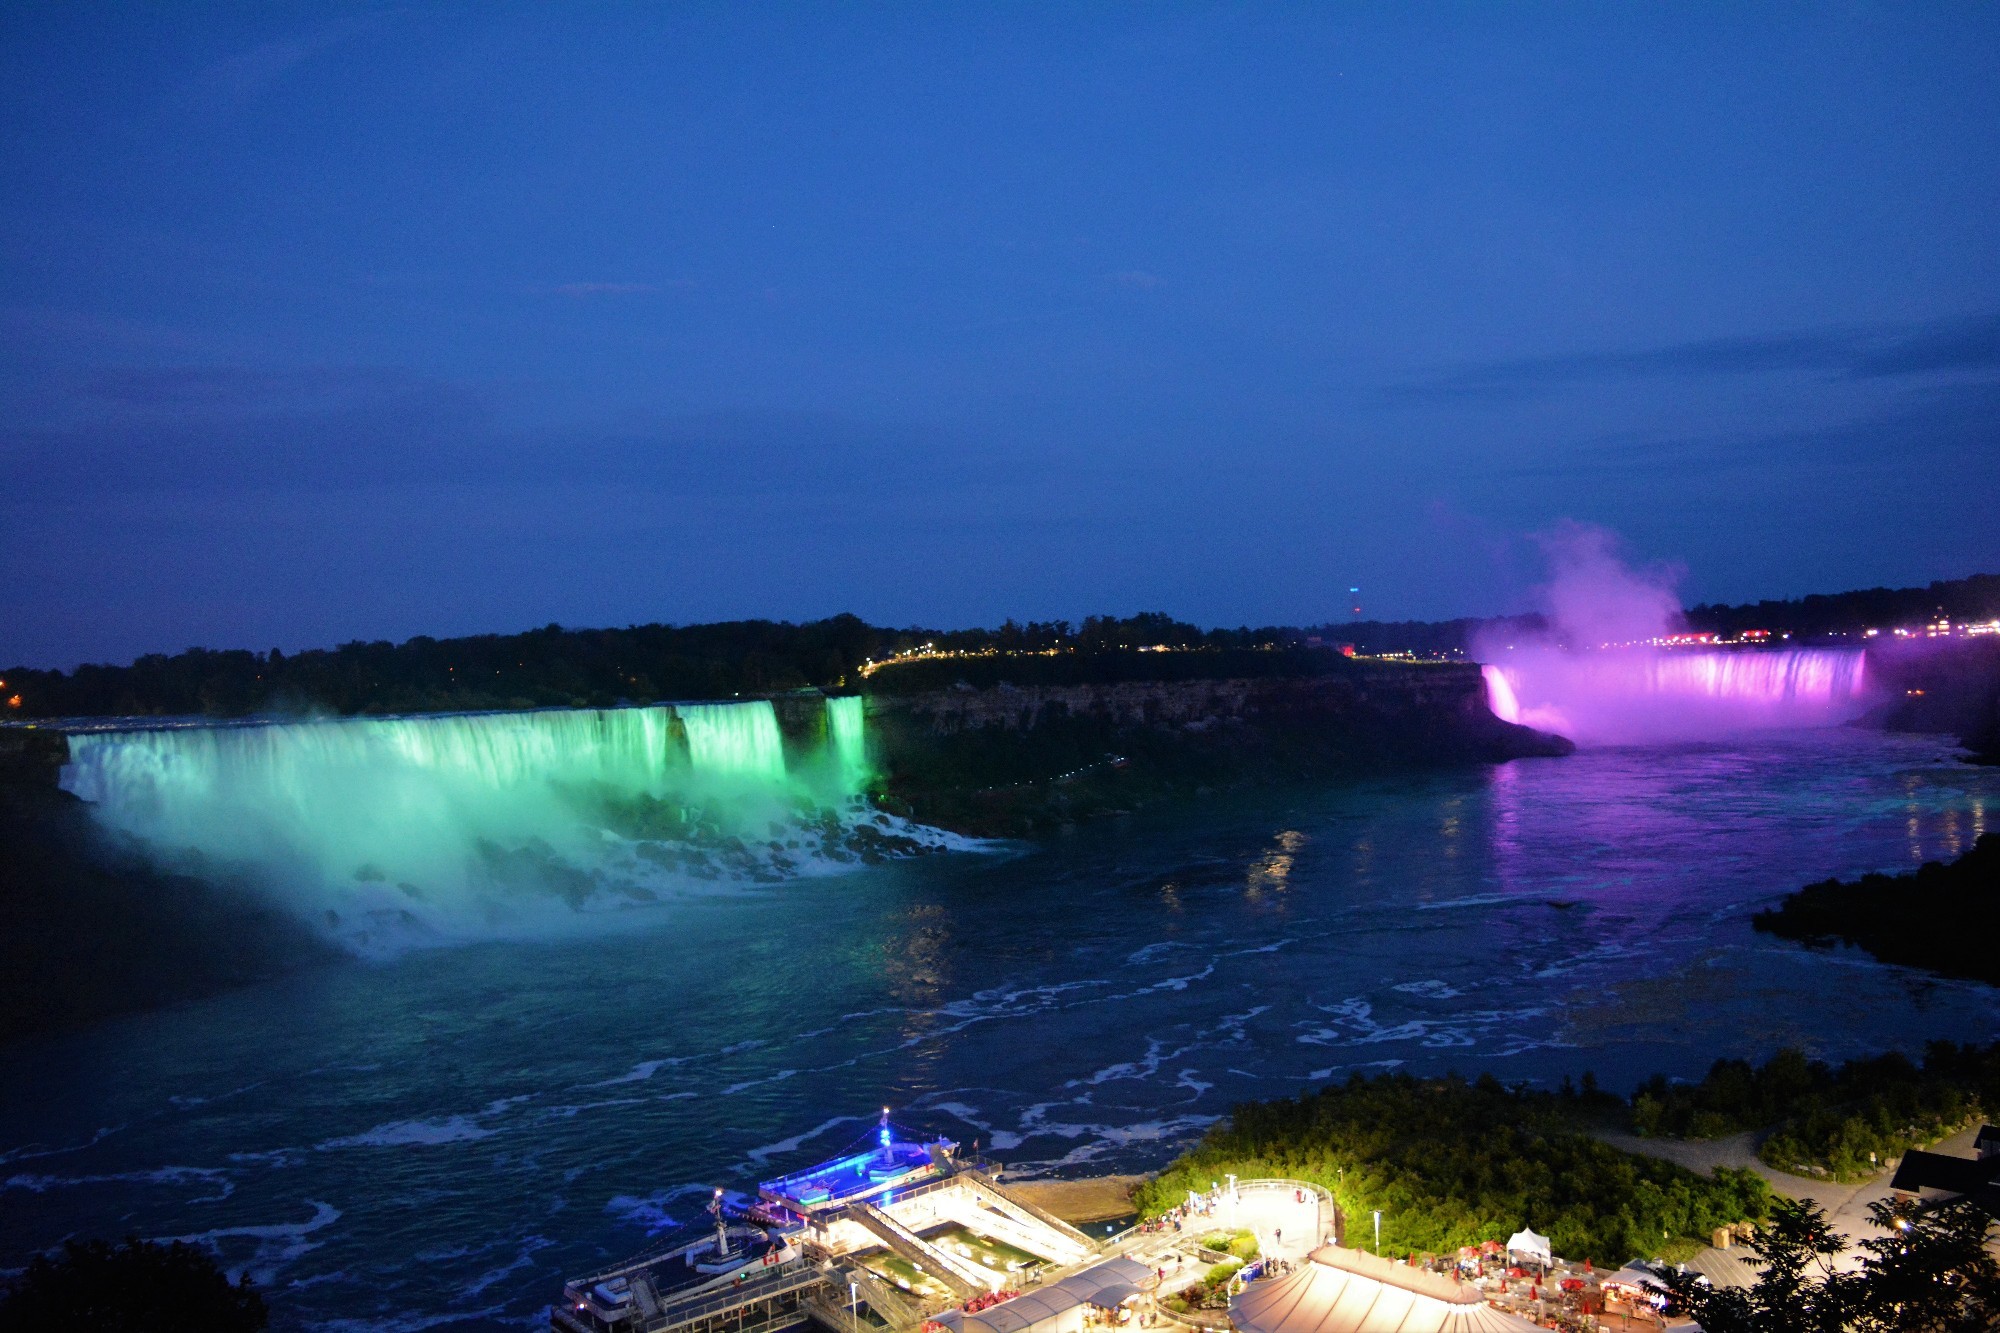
(1354, 602)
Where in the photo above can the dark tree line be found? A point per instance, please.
(1819, 616)
(557, 667)
(552, 667)
(138, 1287)
(1918, 919)
(1846, 613)
(541, 668)
(1829, 1117)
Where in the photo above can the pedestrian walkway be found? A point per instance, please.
(1846, 1205)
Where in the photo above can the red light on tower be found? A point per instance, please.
(1354, 602)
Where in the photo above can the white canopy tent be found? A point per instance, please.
(1634, 1282)
(1350, 1291)
(1535, 1246)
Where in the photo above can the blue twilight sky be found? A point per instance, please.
(321, 322)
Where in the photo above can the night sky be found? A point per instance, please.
(334, 322)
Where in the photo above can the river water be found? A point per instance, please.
(437, 1140)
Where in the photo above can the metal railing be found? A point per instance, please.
(794, 1277)
(928, 1258)
(893, 1307)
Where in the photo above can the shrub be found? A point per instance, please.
(172, 1288)
(1452, 1163)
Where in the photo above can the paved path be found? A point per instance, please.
(1286, 1229)
(1846, 1205)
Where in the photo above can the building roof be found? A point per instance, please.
(1921, 1171)
(1105, 1284)
(1724, 1268)
(1349, 1291)
(1635, 1274)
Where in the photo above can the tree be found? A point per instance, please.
(141, 1286)
(1931, 1272)
(1798, 1291)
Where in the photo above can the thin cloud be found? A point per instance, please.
(585, 290)
(235, 390)
(1955, 345)
(593, 291)
(1949, 432)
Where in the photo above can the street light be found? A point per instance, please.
(1378, 1231)
(853, 1294)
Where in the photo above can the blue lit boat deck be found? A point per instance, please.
(856, 1176)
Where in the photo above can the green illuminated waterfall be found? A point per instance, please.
(387, 831)
(734, 740)
(844, 721)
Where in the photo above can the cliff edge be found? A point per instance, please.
(1007, 760)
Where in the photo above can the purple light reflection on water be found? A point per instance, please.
(450, 1134)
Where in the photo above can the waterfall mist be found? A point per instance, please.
(1598, 676)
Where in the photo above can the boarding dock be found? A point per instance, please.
(900, 1232)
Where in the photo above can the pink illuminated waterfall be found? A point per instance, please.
(1624, 696)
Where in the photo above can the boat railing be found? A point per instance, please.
(784, 1278)
(891, 1200)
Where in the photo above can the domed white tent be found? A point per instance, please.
(1349, 1291)
(1526, 1242)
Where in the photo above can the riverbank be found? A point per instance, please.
(1008, 760)
(1931, 918)
(1087, 1199)
(385, 1138)
(93, 929)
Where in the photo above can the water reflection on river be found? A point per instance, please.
(446, 1136)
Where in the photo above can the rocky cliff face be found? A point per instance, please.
(1941, 685)
(1009, 759)
(33, 756)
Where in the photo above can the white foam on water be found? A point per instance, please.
(653, 1211)
(273, 1245)
(759, 1156)
(1099, 1140)
(164, 1175)
(523, 1259)
(31, 1151)
(640, 1072)
(462, 1128)
(1471, 900)
(1354, 1024)
(1430, 990)
(407, 1133)
(417, 1323)
(777, 1076)
(1179, 983)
